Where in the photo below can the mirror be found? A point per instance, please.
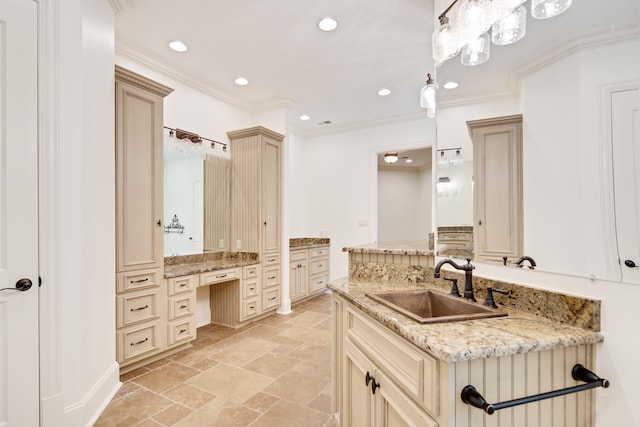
(196, 203)
(557, 78)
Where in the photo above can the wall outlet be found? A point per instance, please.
(238, 244)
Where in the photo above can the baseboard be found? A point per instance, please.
(86, 411)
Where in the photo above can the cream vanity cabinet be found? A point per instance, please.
(256, 204)
(308, 271)
(140, 287)
(181, 309)
(381, 379)
(497, 201)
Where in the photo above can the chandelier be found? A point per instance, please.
(470, 27)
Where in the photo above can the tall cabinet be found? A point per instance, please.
(256, 204)
(140, 310)
(497, 193)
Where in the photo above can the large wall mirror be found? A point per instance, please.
(196, 201)
(561, 78)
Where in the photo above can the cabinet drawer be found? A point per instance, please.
(251, 271)
(270, 259)
(249, 308)
(218, 276)
(178, 285)
(414, 371)
(270, 276)
(271, 298)
(318, 282)
(250, 288)
(297, 256)
(136, 280)
(318, 252)
(136, 307)
(181, 305)
(318, 266)
(181, 331)
(138, 341)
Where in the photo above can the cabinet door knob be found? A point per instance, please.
(629, 263)
(367, 379)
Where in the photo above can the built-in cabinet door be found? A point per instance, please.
(139, 178)
(497, 193)
(394, 409)
(271, 196)
(358, 400)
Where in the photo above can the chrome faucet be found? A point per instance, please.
(519, 261)
(468, 270)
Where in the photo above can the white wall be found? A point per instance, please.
(340, 173)
(79, 372)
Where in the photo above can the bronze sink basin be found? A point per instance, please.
(425, 306)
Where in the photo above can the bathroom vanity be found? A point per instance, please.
(390, 370)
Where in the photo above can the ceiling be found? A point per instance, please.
(332, 77)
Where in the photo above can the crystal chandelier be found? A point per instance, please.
(469, 27)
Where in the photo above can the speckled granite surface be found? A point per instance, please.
(300, 242)
(397, 248)
(520, 332)
(184, 265)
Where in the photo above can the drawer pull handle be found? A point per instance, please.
(221, 276)
(182, 331)
(140, 308)
(252, 289)
(319, 265)
(140, 281)
(251, 307)
(272, 298)
(183, 306)
(182, 285)
(140, 342)
(271, 278)
(320, 282)
(271, 259)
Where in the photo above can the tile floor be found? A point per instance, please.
(275, 372)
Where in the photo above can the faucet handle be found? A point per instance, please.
(488, 301)
(454, 286)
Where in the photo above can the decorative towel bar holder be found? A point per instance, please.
(472, 397)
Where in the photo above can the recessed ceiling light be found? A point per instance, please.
(304, 117)
(178, 46)
(327, 24)
(384, 92)
(241, 81)
(450, 85)
(408, 161)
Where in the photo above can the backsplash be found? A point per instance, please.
(308, 241)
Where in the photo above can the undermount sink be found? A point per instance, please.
(425, 306)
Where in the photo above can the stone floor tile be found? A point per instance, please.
(165, 377)
(289, 414)
(220, 413)
(230, 382)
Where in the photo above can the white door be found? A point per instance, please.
(19, 365)
(625, 136)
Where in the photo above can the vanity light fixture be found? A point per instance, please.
(178, 46)
(470, 26)
(391, 157)
(384, 92)
(328, 24)
(428, 96)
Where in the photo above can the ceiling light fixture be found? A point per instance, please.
(384, 92)
(428, 96)
(468, 27)
(450, 85)
(241, 81)
(391, 157)
(304, 117)
(178, 46)
(328, 24)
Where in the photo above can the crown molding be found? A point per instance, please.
(120, 5)
(126, 51)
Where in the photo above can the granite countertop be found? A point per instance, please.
(308, 242)
(184, 265)
(519, 332)
(412, 247)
